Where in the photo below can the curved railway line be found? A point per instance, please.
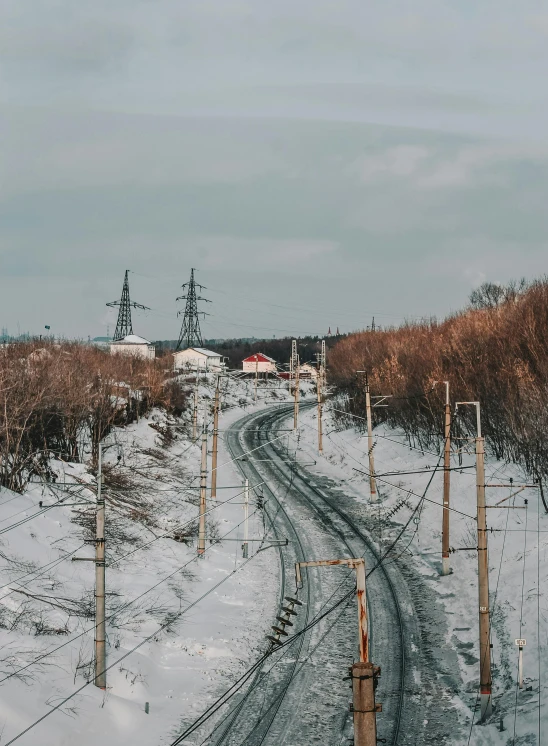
(287, 703)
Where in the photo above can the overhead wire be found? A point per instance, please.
(119, 610)
(157, 631)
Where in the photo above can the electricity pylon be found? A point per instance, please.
(190, 329)
(124, 326)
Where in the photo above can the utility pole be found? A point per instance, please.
(100, 627)
(486, 706)
(295, 368)
(293, 346)
(320, 413)
(320, 380)
(364, 674)
(372, 480)
(203, 492)
(215, 449)
(445, 570)
(246, 520)
(195, 409)
(256, 375)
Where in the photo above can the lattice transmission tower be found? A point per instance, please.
(124, 327)
(190, 335)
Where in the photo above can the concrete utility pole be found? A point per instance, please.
(256, 376)
(245, 545)
(215, 450)
(372, 480)
(195, 410)
(295, 371)
(203, 492)
(486, 706)
(320, 382)
(100, 628)
(364, 674)
(445, 570)
(320, 413)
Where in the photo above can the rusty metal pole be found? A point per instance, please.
(483, 577)
(359, 566)
(215, 449)
(445, 570)
(100, 630)
(372, 480)
(363, 674)
(203, 492)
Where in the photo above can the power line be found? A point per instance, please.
(135, 647)
(116, 613)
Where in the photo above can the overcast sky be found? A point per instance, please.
(318, 162)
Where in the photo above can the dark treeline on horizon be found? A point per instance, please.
(236, 350)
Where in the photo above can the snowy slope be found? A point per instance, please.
(151, 581)
(517, 561)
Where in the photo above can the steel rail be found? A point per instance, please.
(233, 444)
(272, 418)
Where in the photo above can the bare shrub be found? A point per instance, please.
(495, 352)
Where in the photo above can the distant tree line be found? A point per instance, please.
(495, 351)
(236, 350)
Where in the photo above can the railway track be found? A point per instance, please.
(294, 704)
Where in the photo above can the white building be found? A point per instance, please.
(134, 345)
(197, 358)
(308, 371)
(259, 363)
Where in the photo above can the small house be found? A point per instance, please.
(133, 345)
(197, 359)
(307, 371)
(259, 363)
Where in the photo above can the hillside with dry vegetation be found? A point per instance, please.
(61, 399)
(495, 352)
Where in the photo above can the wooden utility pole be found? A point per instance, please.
(100, 628)
(364, 674)
(445, 569)
(215, 450)
(486, 706)
(195, 410)
(203, 492)
(245, 545)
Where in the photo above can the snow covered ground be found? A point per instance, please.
(180, 629)
(517, 562)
